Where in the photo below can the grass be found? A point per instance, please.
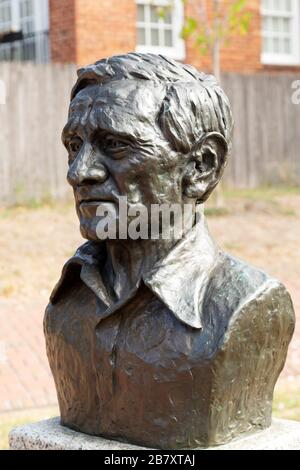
(263, 193)
(8, 212)
(276, 200)
(286, 403)
(216, 211)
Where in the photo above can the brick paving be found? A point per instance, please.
(25, 377)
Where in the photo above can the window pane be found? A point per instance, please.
(5, 16)
(27, 17)
(168, 38)
(27, 26)
(266, 45)
(285, 5)
(287, 46)
(275, 27)
(277, 5)
(286, 25)
(276, 46)
(4, 13)
(7, 13)
(160, 15)
(30, 7)
(167, 16)
(141, 36)
(266, 4)
(141, 12)
(267, 23)
(26, 8)
(154, 37)
(154, 14)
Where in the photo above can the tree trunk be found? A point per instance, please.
(216, 62)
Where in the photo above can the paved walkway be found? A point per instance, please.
(25, 377)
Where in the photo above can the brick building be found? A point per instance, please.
(82, 31)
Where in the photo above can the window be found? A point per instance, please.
(24, 30)
(5, 15)
(27, 17)
(280, 32)
(159, 26)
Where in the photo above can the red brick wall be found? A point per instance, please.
(83, 31)
(104, 28)
(62, 30)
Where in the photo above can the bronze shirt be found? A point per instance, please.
(161, 367)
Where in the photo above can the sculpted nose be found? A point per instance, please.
(85, 169)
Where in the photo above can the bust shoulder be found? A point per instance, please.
(253, 319)
(234, 283)
(241, 293)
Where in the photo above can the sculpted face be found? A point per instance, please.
(116, 148)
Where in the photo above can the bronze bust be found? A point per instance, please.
(165, 343)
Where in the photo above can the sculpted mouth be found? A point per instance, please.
(93, 200)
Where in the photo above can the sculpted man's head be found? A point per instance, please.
(148, 128)
(159, 342)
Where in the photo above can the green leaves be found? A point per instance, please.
(237, 6)
(190, 26)
(224, 22)
(239, 18)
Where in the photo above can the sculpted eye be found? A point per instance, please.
(115, 146)
(75, 145)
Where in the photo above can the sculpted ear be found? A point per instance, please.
(208, 159)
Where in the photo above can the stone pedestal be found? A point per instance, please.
(50, 435)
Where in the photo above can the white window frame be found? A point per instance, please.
(41, 15)
(36, 43)
(41, 8)
(177, 51)
(268, 58)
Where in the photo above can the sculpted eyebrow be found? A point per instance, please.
(100, 121)
(95, 126)
(101, 132)
(71, 129)
(98, 126)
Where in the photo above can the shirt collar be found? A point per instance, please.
(179, 280)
